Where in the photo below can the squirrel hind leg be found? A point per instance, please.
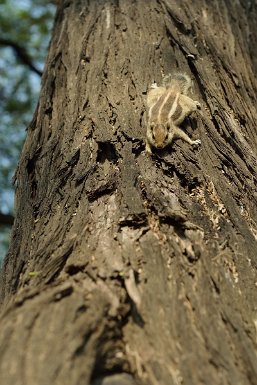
(189, 103)
(148, 148)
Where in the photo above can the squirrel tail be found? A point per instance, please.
(179, 81)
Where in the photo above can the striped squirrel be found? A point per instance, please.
(168, 106)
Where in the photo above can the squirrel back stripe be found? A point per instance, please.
(172, 106)
(176, 115)
(165, 107)
(156, 110)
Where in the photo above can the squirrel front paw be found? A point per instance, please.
(148, 148)
(197, 142)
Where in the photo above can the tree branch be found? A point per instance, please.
(22, 54)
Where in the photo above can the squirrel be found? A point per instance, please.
(168, 106)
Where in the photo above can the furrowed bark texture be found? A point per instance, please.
(127, 268)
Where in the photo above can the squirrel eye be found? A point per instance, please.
(166, 137)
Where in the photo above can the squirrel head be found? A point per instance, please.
(159, 134)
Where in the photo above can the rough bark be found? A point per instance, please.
(128, 268)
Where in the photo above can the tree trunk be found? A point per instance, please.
(124, 267)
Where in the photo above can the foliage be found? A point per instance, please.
(25, 24)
